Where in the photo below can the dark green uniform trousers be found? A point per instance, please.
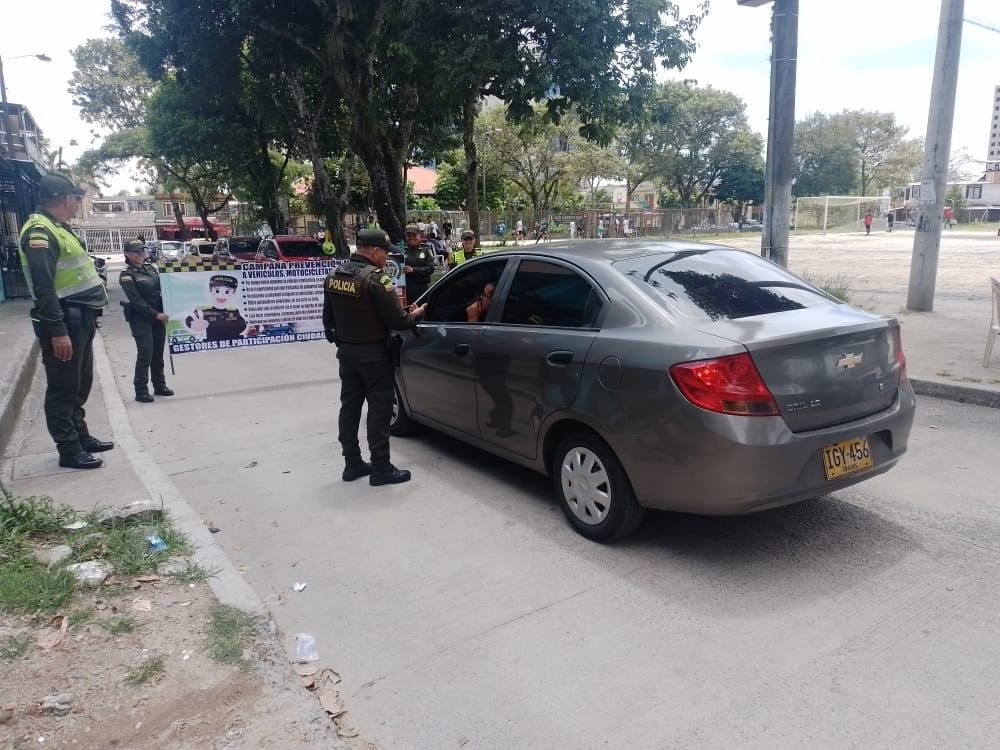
(68, 383)
(365, 375)
(150, 337)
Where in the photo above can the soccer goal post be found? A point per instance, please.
(837, 213)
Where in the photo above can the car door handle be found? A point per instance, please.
(559, 358)
(462, 350)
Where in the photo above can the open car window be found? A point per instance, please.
(465, 286)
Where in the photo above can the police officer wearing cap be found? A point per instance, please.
(360, 308)
(144, 312)
(69, 297)
(221, 321)
(466, 252)
(419, 262)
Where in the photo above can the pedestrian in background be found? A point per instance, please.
(868, 222)
(360, 308)
(890, 220)
(69, 297)
(140, 281)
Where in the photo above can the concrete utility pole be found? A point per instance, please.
(781, 128)
(934, 178)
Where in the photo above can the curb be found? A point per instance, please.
(228, 585)
(961, 393)
(11, 400)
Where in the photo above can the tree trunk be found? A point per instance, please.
(469, 109)
(179, 218)
(336, 223)
(385, 170)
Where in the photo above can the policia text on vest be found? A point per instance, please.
(360, 308)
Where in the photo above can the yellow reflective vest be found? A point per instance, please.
(75, 271)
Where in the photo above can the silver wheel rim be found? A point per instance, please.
(395, 408)
(586, 485)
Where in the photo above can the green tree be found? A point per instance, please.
(701, 129)
(590, 164)
(875, 138)
(741, 181)
(594, 58)
(534, 155)
(824, 159)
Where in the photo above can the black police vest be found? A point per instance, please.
(354, 310)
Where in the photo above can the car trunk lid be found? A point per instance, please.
(824, 365)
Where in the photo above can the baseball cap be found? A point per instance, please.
(55, 185)
(133, 246)
(223, 280)
(373, 238)
(411, 229)
(468, 234)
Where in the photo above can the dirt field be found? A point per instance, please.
(194, 702)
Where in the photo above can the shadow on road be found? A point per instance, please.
(730, 566)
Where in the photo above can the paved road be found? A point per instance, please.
(462, 611)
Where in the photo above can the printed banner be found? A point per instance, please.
(216, 306)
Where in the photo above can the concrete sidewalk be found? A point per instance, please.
(944, 348)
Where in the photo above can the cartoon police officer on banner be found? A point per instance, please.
(221, 321)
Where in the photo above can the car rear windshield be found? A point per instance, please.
(244, 247)
(301, 249)
(719, 284)
(165, 246)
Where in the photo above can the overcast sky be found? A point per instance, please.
(853, 54)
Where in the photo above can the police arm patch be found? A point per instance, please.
(38, 241)
(385, 281)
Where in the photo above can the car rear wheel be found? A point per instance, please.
(593, 490)
(400, 425)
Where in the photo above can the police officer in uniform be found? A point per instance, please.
(467, 251)
(220, 321)
(69, 298)
(144, 312)
(360, 308)
(419, 262)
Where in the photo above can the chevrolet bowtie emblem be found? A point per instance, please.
(847, 361)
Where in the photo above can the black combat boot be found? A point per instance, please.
(388, 474)
(144, 397)
(355, 469)
(162, 390)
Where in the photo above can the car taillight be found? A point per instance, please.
(728, 385)
(897, 343)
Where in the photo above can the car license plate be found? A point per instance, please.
(847, 457)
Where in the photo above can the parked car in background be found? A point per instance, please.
(663, 375)
(200, 249)
(285, 248)
(164, 250)
(242, 248)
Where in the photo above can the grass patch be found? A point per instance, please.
(16, 646)
(120, 625)
(836, 286)
(127, 548)
(80, 617)
(194, 573)
(145, 670)
(230, 633)
(26, 588)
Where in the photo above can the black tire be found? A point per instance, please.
(400, 425)
(621, 513)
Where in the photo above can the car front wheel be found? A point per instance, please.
(593, 490)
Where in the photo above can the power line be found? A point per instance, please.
(982, 24)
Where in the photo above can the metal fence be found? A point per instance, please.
(110, 241)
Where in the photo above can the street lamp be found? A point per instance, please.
(59, 163)
(3, 99)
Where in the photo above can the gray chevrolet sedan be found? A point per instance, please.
(667, 375)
